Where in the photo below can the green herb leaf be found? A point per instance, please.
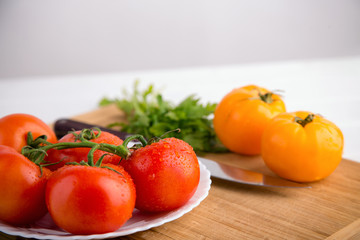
(150, 115)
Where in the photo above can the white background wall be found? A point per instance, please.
(49, 37)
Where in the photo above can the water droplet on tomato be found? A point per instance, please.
(151, 176)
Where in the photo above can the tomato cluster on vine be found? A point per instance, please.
(89, 181)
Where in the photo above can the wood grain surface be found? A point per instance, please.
(328, 210)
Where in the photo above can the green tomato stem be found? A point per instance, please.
(120, 150)
(135, 137)
(305, 121)
(36, 149)
(267, 97)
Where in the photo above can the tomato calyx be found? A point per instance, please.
(87, 134)
(304, 121)
(34, 152)
(266, 97)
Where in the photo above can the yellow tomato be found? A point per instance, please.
(302, 146)
(242, 115)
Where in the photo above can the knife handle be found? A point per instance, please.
(64, 126)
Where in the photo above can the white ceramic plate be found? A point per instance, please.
(45, 228)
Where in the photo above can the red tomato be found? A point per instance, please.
(166, 174)
(22, 189)
(90, 200)
(15, 127)
(78, 154)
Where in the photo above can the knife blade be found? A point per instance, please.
(235, 174)
(218, 170)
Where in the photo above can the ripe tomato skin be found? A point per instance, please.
(15, 127)
(302, 154)
(78, 154)
(22, 189)
(241, 117)
(90, 200)
(166, 174)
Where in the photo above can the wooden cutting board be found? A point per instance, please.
(328, 210)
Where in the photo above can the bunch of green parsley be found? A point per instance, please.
(150, 115)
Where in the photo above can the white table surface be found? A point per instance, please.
(330, 87)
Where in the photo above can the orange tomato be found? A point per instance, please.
(302, 146)
(242, 115)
